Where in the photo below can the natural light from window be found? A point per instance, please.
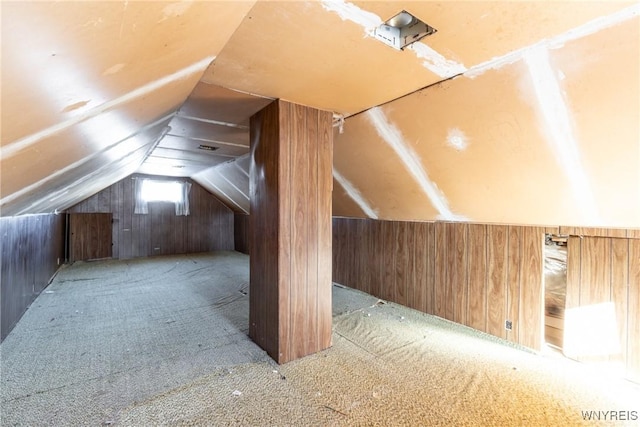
(161, 191)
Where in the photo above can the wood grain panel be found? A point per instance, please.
(324, 189)
(31, 249)
(497, 245)
(338, 240)
(531, 289)
(290, 311)
(420, 253)
(430, 270)
(126, 221)
(280, 210)
(595, 271)
(450, 260)
(298, 223)
(440, 277)
(458, 270)
(504, 271)
(390, 229)
(376, 261)
(349, 253)
(241, 233)
(264, 240)
(513, 286)
(594, 232)
(403, 260)
(633, 349)
(117, 197)
(477, 314)
(89, 236)
(633, 233)
(209, 227)
(574, 257)
(620, 293)
(362, 255)
(311, 343)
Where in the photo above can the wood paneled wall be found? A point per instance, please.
(474, 274)
(209, 227)
(32, 249)
(290, 240)
(90, 236)
(630, 233)
(241, 233)
(606, 270)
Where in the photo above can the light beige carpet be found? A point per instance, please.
(392, 366)
(163, 342)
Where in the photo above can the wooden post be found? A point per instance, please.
(290, 222)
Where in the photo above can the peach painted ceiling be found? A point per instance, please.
(95, 91)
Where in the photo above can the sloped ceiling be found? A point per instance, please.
(88, 88)
(96, 91)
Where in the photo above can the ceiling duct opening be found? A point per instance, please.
(207, 147)
(401, 30)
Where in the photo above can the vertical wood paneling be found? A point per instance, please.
(298, 188)
(595, 270)
(402, 268)
(117, 197)
(241, 233)
(311, 344)
(282, 294)
(264, 300)
(209, 226)
(531, 288)
(290, 200)
(620, 292)
(431, 268)
(366, 252)
(440, 282)
(574, 257)
(497, 279)
(633, 233)
(594, 232)
(324, 188)
(601, 270)
(477, 304)
(458, 271)
(633, 319)
(31, 249)
(89, 236)
(337, 244)
(504, 270)
(450, 297)
(513, 286)
(420, 288)
(351, 257)
(389, 284)
(377, 258)
(126, 221)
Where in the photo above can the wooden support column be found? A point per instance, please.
(290, 222)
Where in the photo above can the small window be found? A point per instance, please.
(150, 190)
(161, 191)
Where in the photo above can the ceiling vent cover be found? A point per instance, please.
(208, 147)
(401, 30)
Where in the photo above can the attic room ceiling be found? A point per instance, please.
(95, 91)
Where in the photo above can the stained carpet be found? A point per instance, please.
(162, 341)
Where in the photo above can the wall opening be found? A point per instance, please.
(555, 289)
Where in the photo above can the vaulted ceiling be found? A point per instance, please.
(507, 102)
